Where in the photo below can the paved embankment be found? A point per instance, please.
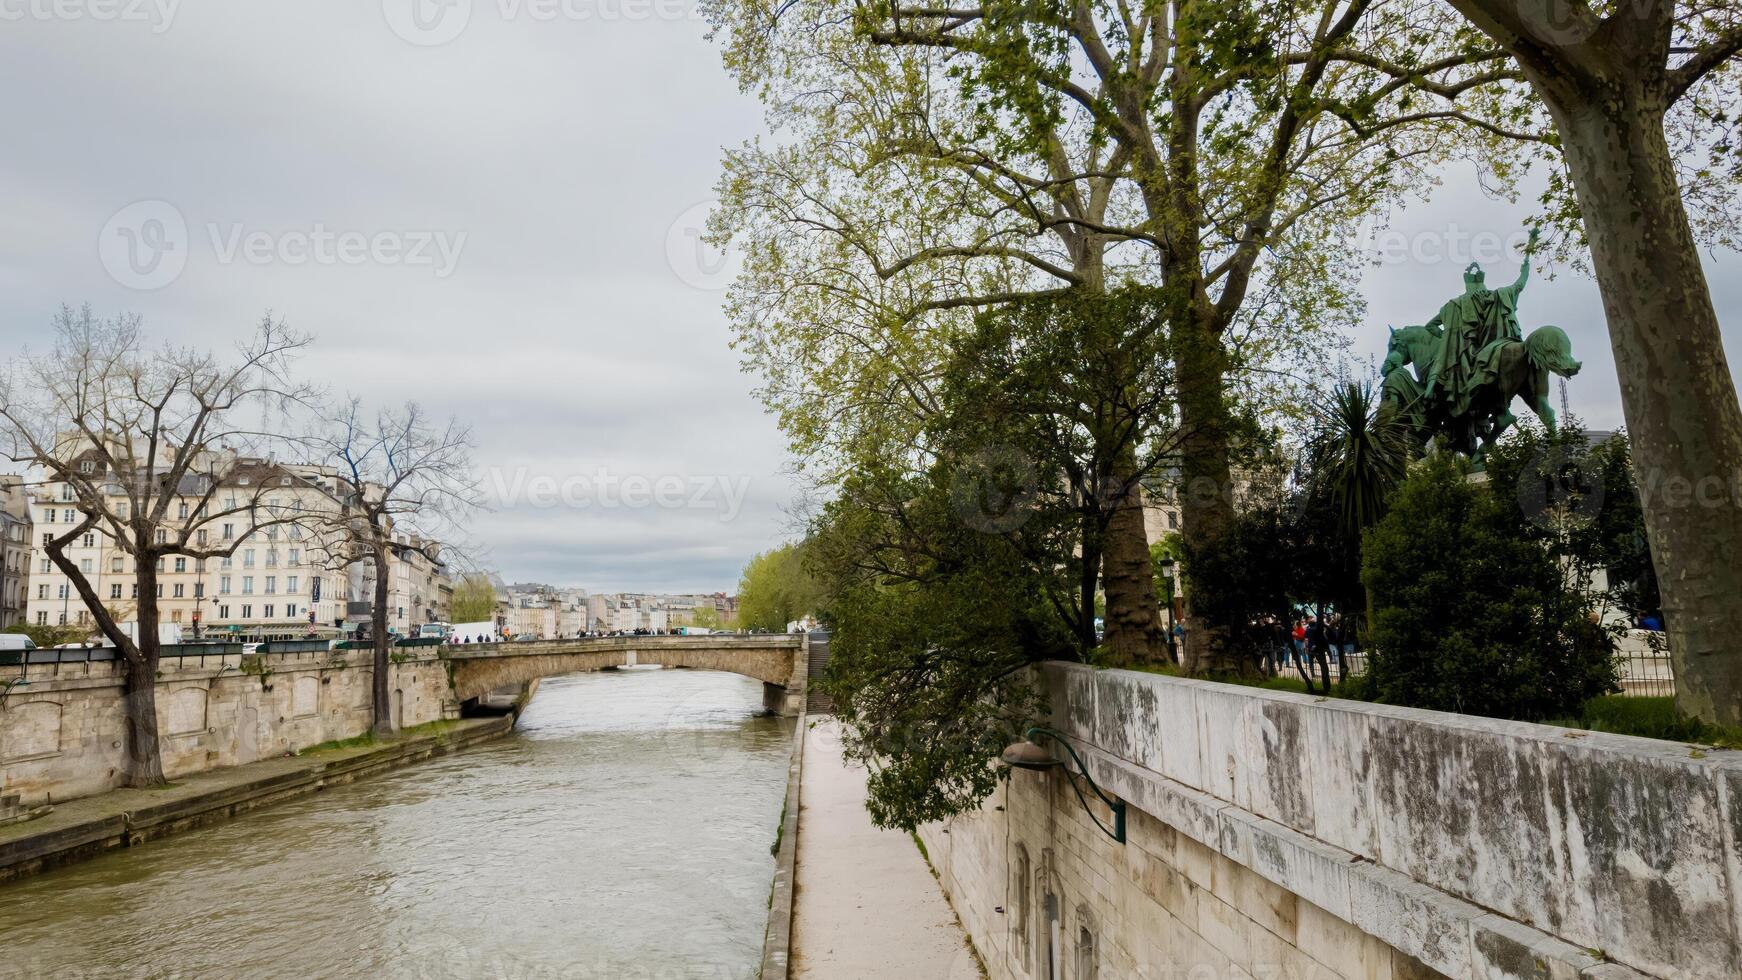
(867, 906)
(83, 828)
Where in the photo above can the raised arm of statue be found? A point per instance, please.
(1524, 267)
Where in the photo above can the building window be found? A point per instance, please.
(247, 612)
(115, 564)
(223, 585)
(271, 585)
(199, 590)
(272, 558)
(289, 610)
(295, 556)
(41, 618)
(161, 536)
(179, 592)
(268, 611)
(290, 585)
(115, 590)
(181, 564)
(1084, 952)
(229, 531)
(248, 558)
(87, 566)
(87, 466)
(175, 615)
(42, 592)
(135, 593)
(225, 562)
(63, 594)
(90, 540)
(46, 563)
(247, 585)
(1020, 913)
(223, 612)
(200, 536)
(181, 511)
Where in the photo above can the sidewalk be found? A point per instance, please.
(867, 907)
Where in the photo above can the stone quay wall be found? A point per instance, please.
(1275, 835)
(62, 732)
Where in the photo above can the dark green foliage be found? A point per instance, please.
(1472, 615)
(1580, 501)
(933, 622)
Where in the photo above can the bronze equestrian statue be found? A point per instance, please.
(1471, 360)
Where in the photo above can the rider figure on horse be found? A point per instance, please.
(1468, 325)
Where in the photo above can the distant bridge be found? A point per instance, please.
(779, 661)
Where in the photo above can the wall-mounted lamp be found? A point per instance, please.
(1029, 754)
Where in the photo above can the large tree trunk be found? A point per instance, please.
(1134, 632)
(144, 747)
(1206, 487)
(383, 724)
(1089, 572)
(1676, 390)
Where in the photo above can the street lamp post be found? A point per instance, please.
(1028, 754)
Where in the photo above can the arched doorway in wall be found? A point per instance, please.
(398, 707)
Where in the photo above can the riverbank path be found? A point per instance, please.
(866, 905)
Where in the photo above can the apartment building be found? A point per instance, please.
(15, 548)
(272, 583)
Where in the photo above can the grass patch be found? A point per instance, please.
(1650, 718)
(369, 739)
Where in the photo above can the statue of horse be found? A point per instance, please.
(1508, 369)
(1402, 390)
(1505, 369)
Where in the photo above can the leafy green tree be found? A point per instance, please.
(1580, 502)
(933, 624)
(474, 600)
(706, 617)
(1471, 614)
(1642, 100)
(1074, 392)
(1235, 149)
(776, 590)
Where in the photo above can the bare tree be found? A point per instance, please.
(144, 439)
(407, 481)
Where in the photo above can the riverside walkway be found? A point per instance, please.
(866, 905)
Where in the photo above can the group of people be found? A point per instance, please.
(1305, 639)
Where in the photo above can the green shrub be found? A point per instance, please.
(1470, 614)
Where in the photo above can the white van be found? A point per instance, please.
(16, 641)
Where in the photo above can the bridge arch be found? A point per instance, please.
(779, 662)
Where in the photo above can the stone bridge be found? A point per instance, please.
(778, 661)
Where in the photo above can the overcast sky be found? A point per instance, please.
(490, 209)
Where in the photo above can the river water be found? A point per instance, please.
(623, 831)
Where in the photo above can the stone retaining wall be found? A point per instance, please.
(1282, 835)
(62, 734)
